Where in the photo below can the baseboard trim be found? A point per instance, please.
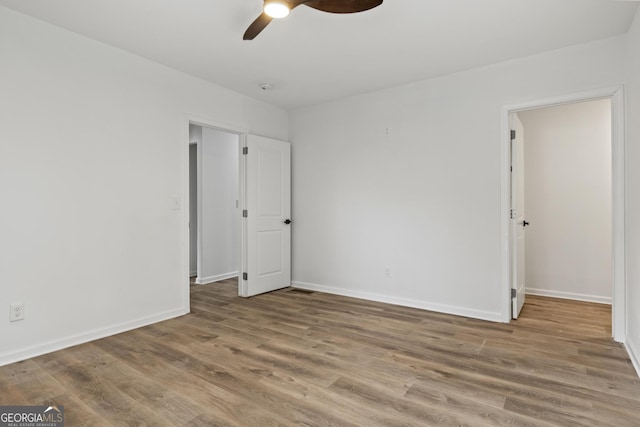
(634, 354)
(569, 295)
(216, 278)
(423, 305)
(39, 350)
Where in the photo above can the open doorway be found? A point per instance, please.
(579, 262)
(562, 175)
(214, 211)
(256, 232)
(568, 194)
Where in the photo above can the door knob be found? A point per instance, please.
(287, 221)
(525, 223)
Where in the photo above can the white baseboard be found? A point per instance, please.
(70, 341)
(634, 354)
(216, 278)
(568, 295)
(406, 302)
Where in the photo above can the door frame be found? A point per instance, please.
(236, 129)
(616, 94)
(518, 244)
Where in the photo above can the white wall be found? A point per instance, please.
(568, 200)
(218, 219)
(424, 200)
(90, 242)
(633, 193)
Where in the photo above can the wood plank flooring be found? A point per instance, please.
(293, 357)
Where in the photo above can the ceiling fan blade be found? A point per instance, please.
(257, 26)
(343, 6)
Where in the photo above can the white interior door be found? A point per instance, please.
(518, 219)
(267, 256)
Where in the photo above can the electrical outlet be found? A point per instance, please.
(387, 272)
(16, 312)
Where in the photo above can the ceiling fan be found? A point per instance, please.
(281, 8)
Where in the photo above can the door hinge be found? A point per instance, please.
(245, 276)
(513, 134)
(245, 214)
(245, 150)
(513, 293)
(512, 214)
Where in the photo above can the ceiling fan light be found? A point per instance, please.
(276, 8)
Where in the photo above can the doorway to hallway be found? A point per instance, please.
(617, 184)
(214, 212)
(567, 191)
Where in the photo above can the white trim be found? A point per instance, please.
(40, 349)
(406, 302)
(242, 195)
(570, 98)
(618, 202)
(634, 354)
(199, 156)
(569, 295)
(216, 278)
(210, 123)
(185, 270)
(618, 180)
(505, 214)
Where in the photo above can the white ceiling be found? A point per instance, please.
(312, 57)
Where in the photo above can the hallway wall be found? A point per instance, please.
(568, 200)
